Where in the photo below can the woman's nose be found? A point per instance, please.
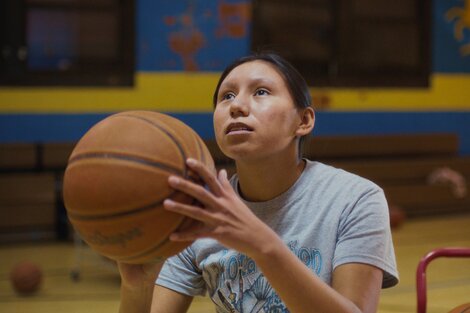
(239, 106)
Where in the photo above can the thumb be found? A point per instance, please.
(223, 177)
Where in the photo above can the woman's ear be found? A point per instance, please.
(307, 122)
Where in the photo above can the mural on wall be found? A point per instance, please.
(197, 35)
(451, 36)
(204, 36)
(460, 15)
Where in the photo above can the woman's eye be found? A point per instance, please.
(227, 96)
(261, 92)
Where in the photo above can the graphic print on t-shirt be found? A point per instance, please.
(235, 283)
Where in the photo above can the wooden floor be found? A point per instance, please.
(98, 288)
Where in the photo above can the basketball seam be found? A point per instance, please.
(123, 157)
(148, 251)
(81, 217)
(173, 138)
(154, 248)
(201, 151)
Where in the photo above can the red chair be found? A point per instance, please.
(421, 271)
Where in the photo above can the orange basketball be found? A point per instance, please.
(26, 277)
(116, 180)
(397, 215)
(464, 308)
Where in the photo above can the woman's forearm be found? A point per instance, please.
(299, 288)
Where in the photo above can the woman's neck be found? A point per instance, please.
(265, 179)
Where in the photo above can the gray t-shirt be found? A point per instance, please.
(327, 218)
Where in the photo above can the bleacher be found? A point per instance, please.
(31, 177)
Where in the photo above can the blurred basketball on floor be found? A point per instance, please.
(117, 179)
(26, 277)
(464, 308)
(397, 216)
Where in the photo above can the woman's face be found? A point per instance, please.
(255, 116)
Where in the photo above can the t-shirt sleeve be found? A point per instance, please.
(364, 235)
(181, 274)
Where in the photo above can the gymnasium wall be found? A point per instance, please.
(179, 79)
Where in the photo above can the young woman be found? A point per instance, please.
(284, 234)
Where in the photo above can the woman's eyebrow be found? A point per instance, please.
(260, 81)
(227, 85)
(252, 82)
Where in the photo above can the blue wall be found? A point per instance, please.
(70, 127)
(161, 22)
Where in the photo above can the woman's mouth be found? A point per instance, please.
(238, 128)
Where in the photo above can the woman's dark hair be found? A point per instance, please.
(296, 84)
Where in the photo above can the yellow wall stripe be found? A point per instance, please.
(192, 92)
(163, 91)
(446, 92)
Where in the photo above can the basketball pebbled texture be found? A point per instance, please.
(116, 180)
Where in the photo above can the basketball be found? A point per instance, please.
(464, 308)
(397, 216)
(115, 183)
(26, 278)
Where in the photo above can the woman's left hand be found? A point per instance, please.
(223, 217)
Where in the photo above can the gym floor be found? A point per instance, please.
(97, 290)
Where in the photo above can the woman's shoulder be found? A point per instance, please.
(322, 173)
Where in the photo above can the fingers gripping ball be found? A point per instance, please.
(26, 277)
(117, 179)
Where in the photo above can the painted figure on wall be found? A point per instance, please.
(461, 16)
